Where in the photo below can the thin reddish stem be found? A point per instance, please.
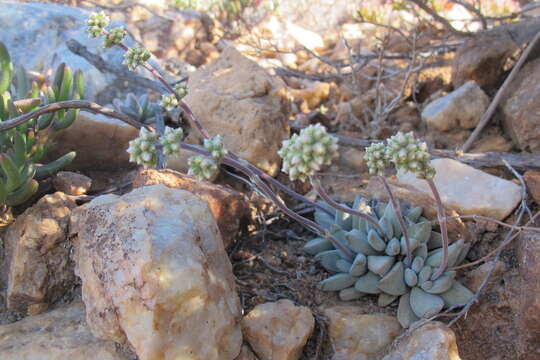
(441, 216)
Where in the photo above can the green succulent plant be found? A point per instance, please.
(139, 109)
(22, 148)
(380, 265)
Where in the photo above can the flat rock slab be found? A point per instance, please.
(467, 190)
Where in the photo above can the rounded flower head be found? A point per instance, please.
(136, 56)
(306, 153)
(115, 36)
(181, 90)
(410, 154)
(171, 141)
(376, 158)
(215, 146)
(96, 24)
(202, 167)
(169, 101)
(142, 150)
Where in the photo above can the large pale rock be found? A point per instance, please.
(278, 331)
(237, 99)
(41, 44)
(521, 108)
(433, 341)
(37, 261)
(467, 190)
(461, 108)
(155, 275)
(56, 335)
(100, 142)
(359, 336)
(227, 205)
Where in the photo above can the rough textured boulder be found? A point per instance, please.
(521, 108)
(72, 183)
(40, 44)
(433, 341)
(467, 190)
(278, 331)
(37, 254)
(239, 100)
(227, 206)
(462, 108)
(56, 335)
(360, 336)
(155, 275)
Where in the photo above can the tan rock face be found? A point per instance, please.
(433, 341)
(72, 183)
(236, 98)
(532, 178)
(100, 142)
(467, 190)
(155, 275)
(529, 297)
(246, 354)
(37, 261)
(522, 108)
(278, 331)
(227, 206)
(360, 336)
(56, 335)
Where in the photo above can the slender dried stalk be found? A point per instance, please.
(441, 216)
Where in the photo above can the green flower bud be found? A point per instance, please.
(171, 141)
(181, 90)
(136, 56)
(376, 158)
(115, 36)
(306, 153)
(202, 167)
(410, 154)
(142, 150)
(215, 146)
(96, 24)
(169, 101)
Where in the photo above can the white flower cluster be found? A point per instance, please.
(181, 90)
(308, 152)
(404, 151)
(215, 146)
(410, 154)
(96, 24)
(171, 141)
(115, 36)
(169, 101)
(376, 159)
(136, 56)
(142, 150)
(202, 167)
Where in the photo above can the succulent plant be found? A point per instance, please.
(136, 56)
(409, 154)
(169, 101)
(139, 109)
(306, 153)
(380, 266)
(22, 148)
(142, 150)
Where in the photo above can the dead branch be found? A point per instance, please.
(441, 20)
(122, 73)
(474, 10)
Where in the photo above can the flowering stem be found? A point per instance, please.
(444, 231)
(324, 195)
(399, 216)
